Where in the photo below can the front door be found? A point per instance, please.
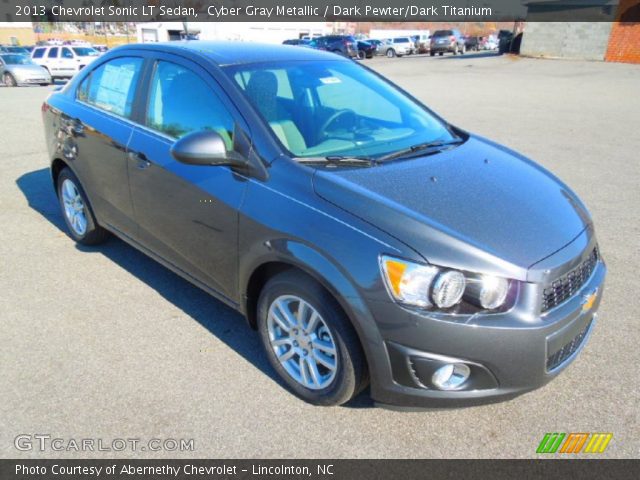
(187, 214)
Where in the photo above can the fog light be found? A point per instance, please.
(450, 376)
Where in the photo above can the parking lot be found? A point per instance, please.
(105, 343)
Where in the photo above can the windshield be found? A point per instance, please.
(85, 51)
(328, 108)
(15, 59)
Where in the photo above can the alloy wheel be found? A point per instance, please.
(302, 342)
(74, 208)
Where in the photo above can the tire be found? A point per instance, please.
(441, 53)
(9, 80)
(391, 53)
(44, 84)
(432, 53)
(455, 50)
(463, 50)
(332, 327)
(362, 55)
(91, 233)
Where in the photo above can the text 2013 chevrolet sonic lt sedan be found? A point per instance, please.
(365, 238)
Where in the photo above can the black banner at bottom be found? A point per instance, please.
(318, 469)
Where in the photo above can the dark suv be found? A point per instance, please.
(364, 237)
(451, 41)
(342, 44)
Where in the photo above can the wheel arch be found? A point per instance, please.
(57, 165)
(313, 264)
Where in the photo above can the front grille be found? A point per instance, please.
(559, 357)
(568, 284)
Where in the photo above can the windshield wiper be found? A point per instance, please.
(438, 144)
(340, 160)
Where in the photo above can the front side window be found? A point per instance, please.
(66, 53)
(111, 86)
(181, 102)
(38, 53)
(325, 108)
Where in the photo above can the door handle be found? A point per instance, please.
(140, 159)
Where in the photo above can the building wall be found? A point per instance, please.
(24, 35)
(624, 42)
(581, 40)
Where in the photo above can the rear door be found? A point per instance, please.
(187, 214)
(98, 126)
(51, 61)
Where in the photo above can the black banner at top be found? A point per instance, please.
(319, 10)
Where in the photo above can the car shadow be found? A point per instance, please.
(222, 321)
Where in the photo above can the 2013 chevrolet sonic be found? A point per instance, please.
(365, 238)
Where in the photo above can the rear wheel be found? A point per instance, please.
(9, 80)
(441, 53)
(77, 211)
(309, 341)
(361, 54)
(432, 53)
(391, 53)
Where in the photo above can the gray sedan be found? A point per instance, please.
(16, 69)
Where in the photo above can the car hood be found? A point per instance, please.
(477, 206)
(27, 70)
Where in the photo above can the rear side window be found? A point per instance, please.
(53, 53)
(38, 53)
(111, 86)
(180, 102)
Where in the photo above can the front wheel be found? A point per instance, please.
(9, 80)
(77, 211)
(391, 53)
(309, 341)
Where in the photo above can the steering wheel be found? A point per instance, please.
(334, 117)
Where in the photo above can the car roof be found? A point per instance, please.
(233, 53)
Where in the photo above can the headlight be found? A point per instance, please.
(448, 288)
(427, 285)
(488, 291)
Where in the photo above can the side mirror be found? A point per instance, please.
(205, 147)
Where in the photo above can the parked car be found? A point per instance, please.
(101, 48)
(63, 61)
(297, 41)
(471, 43)
(421, 43)
(505, 37)
(444, 41)
(378, 44)
(344, 45)
(396, 47)
(490, 43)
(366, 49)
(362, 235)
(17, 69)
(13, 49)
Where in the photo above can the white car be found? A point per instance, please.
(64, 61)
(397, 47)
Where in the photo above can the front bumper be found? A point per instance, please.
(508, 353)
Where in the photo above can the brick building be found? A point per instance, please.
(614, 37)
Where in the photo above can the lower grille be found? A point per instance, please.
(559, 357)
(568, 284)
